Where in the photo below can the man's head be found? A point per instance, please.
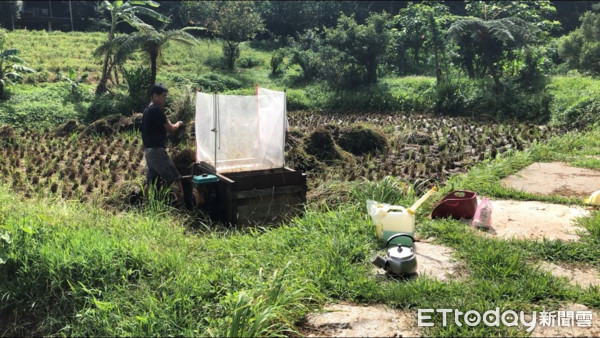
(159, 94)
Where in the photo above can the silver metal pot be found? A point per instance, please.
(400, 260)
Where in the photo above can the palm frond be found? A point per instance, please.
(151, 13)
(109, 46)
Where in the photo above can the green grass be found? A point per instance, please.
(43, 105)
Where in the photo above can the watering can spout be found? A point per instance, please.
(423, 198)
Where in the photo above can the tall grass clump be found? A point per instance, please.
(575, 101)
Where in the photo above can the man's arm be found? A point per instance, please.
(172, 127)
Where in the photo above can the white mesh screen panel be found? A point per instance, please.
(205, 122)
(250, 130)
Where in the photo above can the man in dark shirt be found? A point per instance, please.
(155, 126)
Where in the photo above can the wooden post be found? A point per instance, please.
(71, 14)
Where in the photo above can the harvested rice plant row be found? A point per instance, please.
(413, 147)
(74, 167)
(105, 159)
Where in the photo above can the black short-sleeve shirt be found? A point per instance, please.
(154, 133)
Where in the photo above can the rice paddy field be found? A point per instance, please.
(78, 162)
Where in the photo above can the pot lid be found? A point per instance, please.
(401, 253)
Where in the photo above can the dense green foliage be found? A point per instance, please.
(350, 63)
(581, 48)
(235, 22)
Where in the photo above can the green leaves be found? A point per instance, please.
(5, 237)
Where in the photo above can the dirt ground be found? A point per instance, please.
(349, 320)
(555, 178)
(584, 277)
(535, 220)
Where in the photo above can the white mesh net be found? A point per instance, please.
(241, 133)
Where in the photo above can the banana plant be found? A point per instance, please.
(11, 65)
(71, 78)
(125, 11)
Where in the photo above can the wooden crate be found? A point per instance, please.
(259, 197)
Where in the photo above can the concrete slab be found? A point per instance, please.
(433, 260)
(351, 320)
(555, 178)
(584, 276)
(534, 220)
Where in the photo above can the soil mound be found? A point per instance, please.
(7, 132)
(321, 145)
(68, 128)
(362, 139)
(100, 127)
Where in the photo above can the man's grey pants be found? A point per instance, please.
(158, 163)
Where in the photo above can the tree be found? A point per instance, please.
(10, 64)
(124, 12)
(419, 28)
(235, 22)
(365, 44)
(537, 13)
(148, 40)
(288, 18)
(414, 31)
(488, 41)
(9, 12)
(581, 48)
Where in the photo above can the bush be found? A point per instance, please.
(212, 82)
(450, 98)
(377, 98)
(249, 62)
(520, 101)
(276, 62)
(40, 106)
(106, 105)
(138, 88)
(581, 115)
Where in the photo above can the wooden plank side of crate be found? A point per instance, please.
(270, 192)
(269, 209)
(226, 199)
(266, 180)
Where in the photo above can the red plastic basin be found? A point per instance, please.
(457, 204)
